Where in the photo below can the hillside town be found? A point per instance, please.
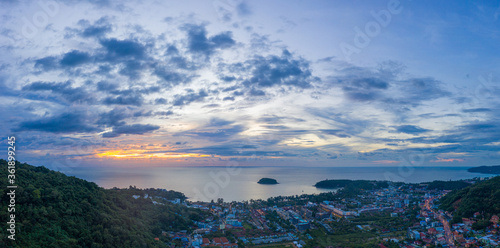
(399, 215)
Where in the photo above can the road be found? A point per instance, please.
(447, 230)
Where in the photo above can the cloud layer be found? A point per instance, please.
(139, 82)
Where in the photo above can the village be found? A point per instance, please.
(400, 215)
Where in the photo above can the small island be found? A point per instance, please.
(494, 169)
(266, 180)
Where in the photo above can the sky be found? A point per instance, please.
(254, 83)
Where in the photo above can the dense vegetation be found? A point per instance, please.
(266, 180)
(345, 183)
(447, 185)
(495, 169)
(55, 210)
(349, 234)
(482, 197)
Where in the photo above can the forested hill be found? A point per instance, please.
(55, 210)
(495, 169)
(482, 197)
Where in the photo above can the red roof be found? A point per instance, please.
(217, 241)
(224, 240)
(206, 241)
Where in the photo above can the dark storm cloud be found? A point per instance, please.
(131, 129)
(200, 43)
(75, 122)
(410, 129)
(186, 99)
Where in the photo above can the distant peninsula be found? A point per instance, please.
(346, 183)
(266, 180)
(494, 169)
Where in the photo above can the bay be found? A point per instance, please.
(240, 183)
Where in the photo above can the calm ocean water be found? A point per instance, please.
(237, 184)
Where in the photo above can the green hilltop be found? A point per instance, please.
(482, 197)
(55, 210)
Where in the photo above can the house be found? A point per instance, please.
(216, 241)
(206, 241)
(494, 219)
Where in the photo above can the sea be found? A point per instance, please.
(240, 183)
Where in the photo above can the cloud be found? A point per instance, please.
(64, 89)
(139, 129)
(133, 99)
(281, 70)
(447, 160)
(169, 76)
(106, 86)
(159, 101)
(256, 92)
(416, 90)
(75, 58)
(218, 122)
(243, 9)
(274, 119)
(75, 122)
(100, 28)
(410, 129)
(181, 100)
(114, 117)
(335, 132)
(200, 43)
(215, 130)
(123, 48)
(476, 110)
(47, 63)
